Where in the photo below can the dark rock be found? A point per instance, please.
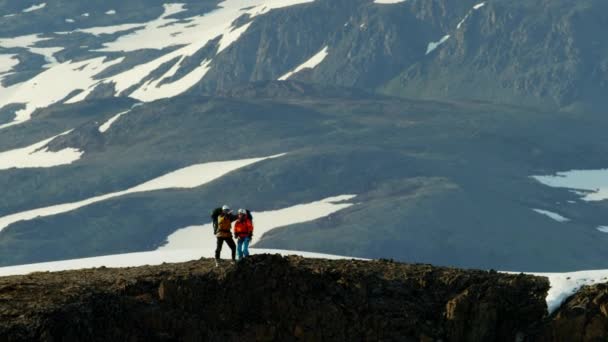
(583, 317)
(267, 298)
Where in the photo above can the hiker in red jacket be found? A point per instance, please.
(243, 231)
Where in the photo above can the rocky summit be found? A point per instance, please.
(274, 298)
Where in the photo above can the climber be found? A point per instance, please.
(243, 231)
(223, 233)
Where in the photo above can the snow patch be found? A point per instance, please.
(200, 236)
(185, 178)
(106, 125)
(34, 8)
(7, 62)
(153, 90)
(38, 156)
(232, 36)
(141, 259)
(21, 41)
(564, 285)
(475, 8)
(111, 12)
(554, 216)
(309, 64)
(388, 1)
(603, 229)
(434, 45)
(110, 29)
(69, 20)
(29, 42)
(591, 185)
(43, 90)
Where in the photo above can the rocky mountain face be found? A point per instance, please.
(433, 113)
(269, 298)
(545, 53)
(584, 317)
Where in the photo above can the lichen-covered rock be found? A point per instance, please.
(271, 298)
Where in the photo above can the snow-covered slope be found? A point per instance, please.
(189, 35)
(188, 177)
(199, 237)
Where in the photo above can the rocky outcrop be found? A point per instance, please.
(272, 298)
(583, 317)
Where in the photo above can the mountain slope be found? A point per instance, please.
(98, 99)
(417, 168)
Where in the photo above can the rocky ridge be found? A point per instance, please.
(269, 297)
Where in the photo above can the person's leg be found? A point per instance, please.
(218, 248)
(246, 246)
(232, 246)
(239, 248)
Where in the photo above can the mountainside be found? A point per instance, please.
(543, 53)
(273, 298)
(419, 123)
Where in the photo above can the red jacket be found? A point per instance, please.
(243, 228)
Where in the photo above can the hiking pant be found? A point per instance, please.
(220, 242)
(243, 247)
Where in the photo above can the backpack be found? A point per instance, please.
(214, 215)
(249, 216)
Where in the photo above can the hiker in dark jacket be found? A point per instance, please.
(224, 225)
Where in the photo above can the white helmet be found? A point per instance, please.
(242, 211)
(225, 207)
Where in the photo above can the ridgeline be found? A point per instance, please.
(274, 298)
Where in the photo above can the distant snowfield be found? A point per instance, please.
(185, 178)
(309, 64)
(141, 259)
(29, 42)
(475, 8)
(555, 216)
(35, 8)
(106, 125)
(202, 236)
(43, 90)
(592, 185)
(194, 33)
(564, 285)
(38, 156)
(7, 62)
(388, 1)
(434, 45)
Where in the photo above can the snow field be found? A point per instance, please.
(555, 216)
(185, 178)
(194, 33)
(388, 1)
(7, 62)
(201, 236)
(309, 64)
(34, 8)
(140, 259)
(434, 45)
(43, 90)
(38, 155)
